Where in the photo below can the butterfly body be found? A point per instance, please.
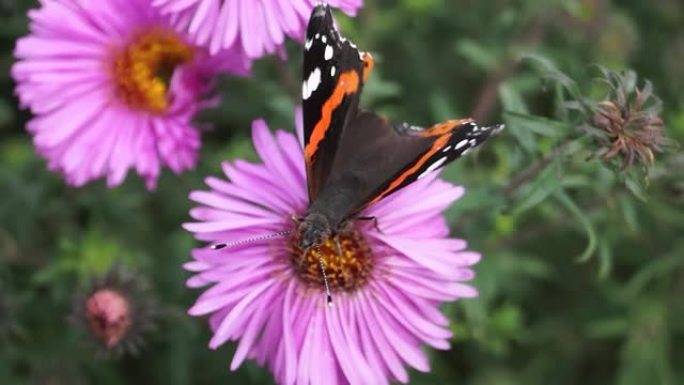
(355, 158)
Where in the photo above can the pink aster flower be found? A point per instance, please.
(267, 294)
(113, 87)
(257, 27)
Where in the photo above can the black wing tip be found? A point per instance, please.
(477, 130)
(320, 20)
(495, 129)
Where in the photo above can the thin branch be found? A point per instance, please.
(488, 98)
(534, 169)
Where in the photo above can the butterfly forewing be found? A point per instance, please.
(332, 79)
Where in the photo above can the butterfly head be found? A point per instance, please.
(313, 230)
(321, 10)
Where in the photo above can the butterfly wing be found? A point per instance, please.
(334, 71)
(355, 158)
(375, 159)
(448, 141)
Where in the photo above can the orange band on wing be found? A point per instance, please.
(347, 83)
(444, 127)
(436, 146)
(368, 64)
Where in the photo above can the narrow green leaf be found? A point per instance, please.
(545, 185)
(478, 54)
(592, 238)
(605, 257)
(537, 124)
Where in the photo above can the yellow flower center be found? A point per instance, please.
(143, 69)
(348, 262)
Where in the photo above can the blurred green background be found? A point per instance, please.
(582, 280)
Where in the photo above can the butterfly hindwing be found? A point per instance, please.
(333, 76)
(375, 159)
(450, 140)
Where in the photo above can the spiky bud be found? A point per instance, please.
(116, 310)
(628, 122)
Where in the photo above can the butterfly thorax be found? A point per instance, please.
(328, 215)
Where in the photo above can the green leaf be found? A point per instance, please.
(511, 100)
(543, 186)
(652, 271)
(552, 73)
(605, 257)
(636, 187)
(537, 124)
(629, 213)
(592, 238)
(480, 55)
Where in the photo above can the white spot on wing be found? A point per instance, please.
(433, 166)
(447, 148)
(324, 39)
(311, 84)
(332, 71)
(461, 144)
(308, 44)
(328, 54)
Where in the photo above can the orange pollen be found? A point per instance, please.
(347, 268)
(143, 69)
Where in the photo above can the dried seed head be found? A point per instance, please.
(629, 125)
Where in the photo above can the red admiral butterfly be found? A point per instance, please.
(355, 158)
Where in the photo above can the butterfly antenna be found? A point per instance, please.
(328, 295)
(219, 246)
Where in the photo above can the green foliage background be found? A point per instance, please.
(582, 282)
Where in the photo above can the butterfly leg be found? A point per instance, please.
(296, 219)
(338, 247)
(375, 222)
